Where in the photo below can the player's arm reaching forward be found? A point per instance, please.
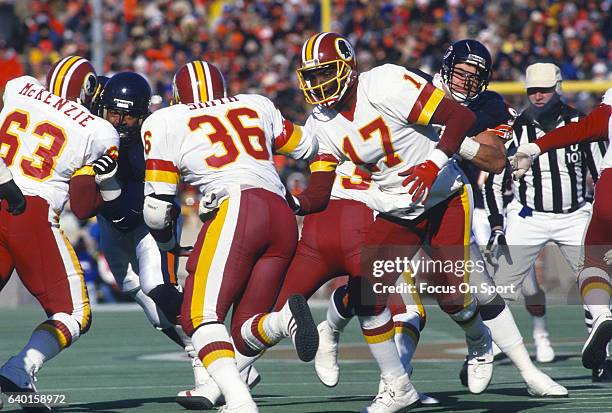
(594, 126)
(293, 140)
(416, 101)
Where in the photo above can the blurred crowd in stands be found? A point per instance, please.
(257, 43)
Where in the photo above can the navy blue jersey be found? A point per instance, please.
(125, 213)
(491, 112)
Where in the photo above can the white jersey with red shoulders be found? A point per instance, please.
(45, 139)
(387, 133)
(218, 144)
(607, 160)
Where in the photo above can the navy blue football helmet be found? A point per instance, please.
(463, 85)
(127, 93)
(94, 106)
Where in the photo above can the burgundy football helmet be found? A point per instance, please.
(73, 78)
(328, 68)
(197, 82)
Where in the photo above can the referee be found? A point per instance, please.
(549, 203)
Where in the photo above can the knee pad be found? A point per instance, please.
(169, 300)
(493, 308)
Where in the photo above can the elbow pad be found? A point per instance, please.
(158, 214)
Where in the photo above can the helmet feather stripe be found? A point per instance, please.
(194, 82)
(60, 77)
(201, 80)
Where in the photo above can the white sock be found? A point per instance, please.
(337, 306)
(41, 347)
(212, 342)
(507, 336)
(407, 334)
(540, 327)
(378, 333)
(266, 329)
(594, 284)
(48, 339)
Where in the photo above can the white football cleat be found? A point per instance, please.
(594, 350)
(427, 400)
(479, 363)
(15, 379)
(397, 395)
(424, 398)
(544, 351)
(541, 385)
(206, 394)
(326, 359)
(246, 407)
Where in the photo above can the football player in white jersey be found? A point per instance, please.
(381, 120)
(467, 66)
(47, 137)
(594, 278)
(224, 146)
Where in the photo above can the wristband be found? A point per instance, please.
(438, 157)
(469, 148)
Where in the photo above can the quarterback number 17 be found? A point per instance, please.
(376, 127)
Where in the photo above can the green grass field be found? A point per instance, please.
(124, 365)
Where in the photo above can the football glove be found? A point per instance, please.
(522, 160)
(496, 246)
(210, 202)
(422, 177)
(106, 169)
(16, 201)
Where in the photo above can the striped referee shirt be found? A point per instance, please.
(557, 180)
